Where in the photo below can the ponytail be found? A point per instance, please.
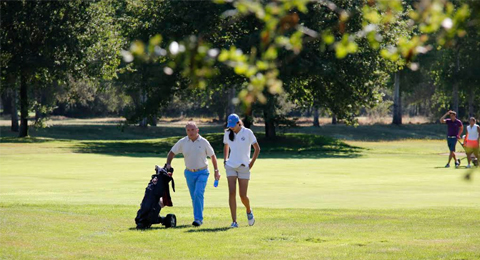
(231, 134)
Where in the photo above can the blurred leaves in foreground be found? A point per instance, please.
(281, 30)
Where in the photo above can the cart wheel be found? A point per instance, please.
(170, 220)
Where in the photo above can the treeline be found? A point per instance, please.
(148, 59)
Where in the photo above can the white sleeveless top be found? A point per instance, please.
(472, 132)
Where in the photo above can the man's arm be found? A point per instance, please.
(460, 131)
(215, 166)
(255, 155)
(442, 119)
(169, 159)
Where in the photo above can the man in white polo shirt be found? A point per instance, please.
(195, 150)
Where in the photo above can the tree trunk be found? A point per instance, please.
(316, 122)
(270, 132)
(231, 105)
(248, 119)
(397, 102)
(222, 108)
(455, 84)
(7, 102)
(38, 112)
(23, 106)
(154, 121)
(470, 103)
(14, 112)
(143, 122)
(334, 119)
(269, 117)
(143, 99)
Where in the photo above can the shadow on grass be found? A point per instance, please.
(207, 230)
(284, 146)
(378, 132)
(97, 132)
(159, 227)
(25, 140)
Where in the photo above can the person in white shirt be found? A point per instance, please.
(195, 150)
(238, 142)
(472, 140)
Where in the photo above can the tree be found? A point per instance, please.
(318, 78)
(153, 80)
(44, 42)
(279, 30)
(397, 101)
(456, 70)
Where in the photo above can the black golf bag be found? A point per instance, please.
(149, 212)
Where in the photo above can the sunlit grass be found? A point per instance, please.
(314, 198)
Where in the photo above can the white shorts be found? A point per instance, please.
(242, 172)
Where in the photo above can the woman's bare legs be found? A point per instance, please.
(243, 187)
(232, 201)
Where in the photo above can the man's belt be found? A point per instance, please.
(451, 136)
(197, 170)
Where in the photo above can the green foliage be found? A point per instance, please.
(172, 61)
(398, 31)
(329, 54)
(46, 43)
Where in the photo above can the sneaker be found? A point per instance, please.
(251, 219)
(234, 225)
(457, 164)
(447, 166)
(468, 166)
(197, 223)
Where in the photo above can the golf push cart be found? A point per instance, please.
(157, 195)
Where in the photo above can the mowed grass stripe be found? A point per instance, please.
(57, 173)
(106, 232)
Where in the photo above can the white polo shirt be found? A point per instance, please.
(240, 147)
(472, 132)
(195, 152)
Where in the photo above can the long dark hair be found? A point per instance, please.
(231, 134)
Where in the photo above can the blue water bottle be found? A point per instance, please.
(215, 183)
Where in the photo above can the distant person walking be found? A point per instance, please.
(455, 129)
(195, 149)
(472, 140)
(238, 141)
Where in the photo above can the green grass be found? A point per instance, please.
(106, 232)
(74, 195)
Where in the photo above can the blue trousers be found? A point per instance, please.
(197, 181)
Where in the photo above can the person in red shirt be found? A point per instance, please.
(455, 129)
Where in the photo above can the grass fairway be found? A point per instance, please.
(74, 198)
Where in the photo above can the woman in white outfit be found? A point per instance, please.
(472, 140)
(238, 141)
